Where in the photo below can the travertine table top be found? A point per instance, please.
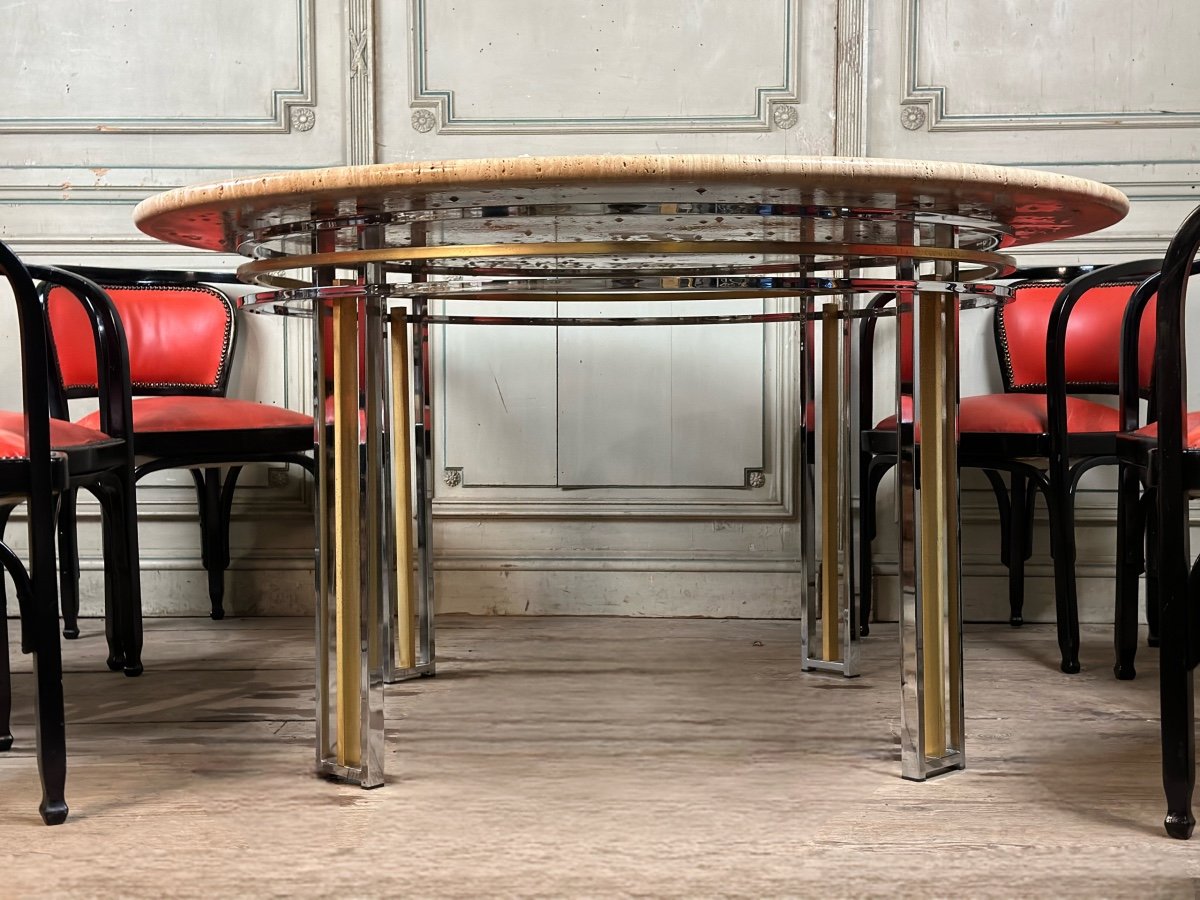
(1035, 205)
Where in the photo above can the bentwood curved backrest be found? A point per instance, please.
(33, 477)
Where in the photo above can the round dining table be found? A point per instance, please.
(375, 253)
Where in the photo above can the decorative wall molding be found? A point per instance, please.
(850, 98)
(303, 118)
(768, 492)
(761, 100)
(728, 561)
(123, 186)
(933, 97)
(360, 87)
(278, 120)
(424, 120)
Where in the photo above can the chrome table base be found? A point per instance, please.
(374, 620)
(374, 484)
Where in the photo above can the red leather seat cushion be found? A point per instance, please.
(1022, 414)
(1191, 431)
(63, 435)
(176, 414)
(12, 445)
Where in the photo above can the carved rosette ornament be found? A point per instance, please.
(784, 116)
(756, 478)
(452, 477)
(303, 118)
(912, 117)
(423, 120)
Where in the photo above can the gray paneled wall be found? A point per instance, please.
(601, 471)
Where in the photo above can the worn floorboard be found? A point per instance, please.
(562, 757)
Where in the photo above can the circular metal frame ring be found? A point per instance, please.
(830, 264)
(969, 294)
(994, 264)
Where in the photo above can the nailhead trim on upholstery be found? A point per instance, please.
(227, 339)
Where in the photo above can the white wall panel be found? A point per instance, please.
(504, 77)
(623, 65)
(114, 66)
(1082, 64)
(626, 466)
(675, 407)
(498, 398)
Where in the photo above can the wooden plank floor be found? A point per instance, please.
(561, 757)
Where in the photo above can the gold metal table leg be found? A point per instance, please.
(351, 542)
(931, 615)
(347, 553)
(406, 647)
(837, 653)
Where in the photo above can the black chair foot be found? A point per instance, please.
(1179, 825)
(6, 742)
(1124, 671)
(70, 633)
(864, 630)
(116, 662)
(1070, 666)
(133, 671)
(54, 812)
(217, 614)
(1016, 621)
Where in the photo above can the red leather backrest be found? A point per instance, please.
(327, 348)
(180, 337)
(904, 321)
(1092, 342)
(1146, 344)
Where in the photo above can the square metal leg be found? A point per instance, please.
(350, 730)
(829, 645)
(928, 497)
(410, 622)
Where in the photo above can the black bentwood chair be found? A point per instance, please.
(181, 333)
(100, 458)
(1167, 455)
(1137, 526)
(30, 474)
(1020, 339)
(1057, 338)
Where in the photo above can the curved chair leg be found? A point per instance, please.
(1130, 564)
(1149, 498)
(203, 508)
(5, 513)
(68, 564)
(1010, 513)
(1178, 713)
(51, 726)
(875, 469)
(6, 738)
(1022, 539)
(208, 501)
(216, 506)
(225, 512)
(113, 588)
(131, 570)
(39, 636)
(122, 569)
(1062, 548)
